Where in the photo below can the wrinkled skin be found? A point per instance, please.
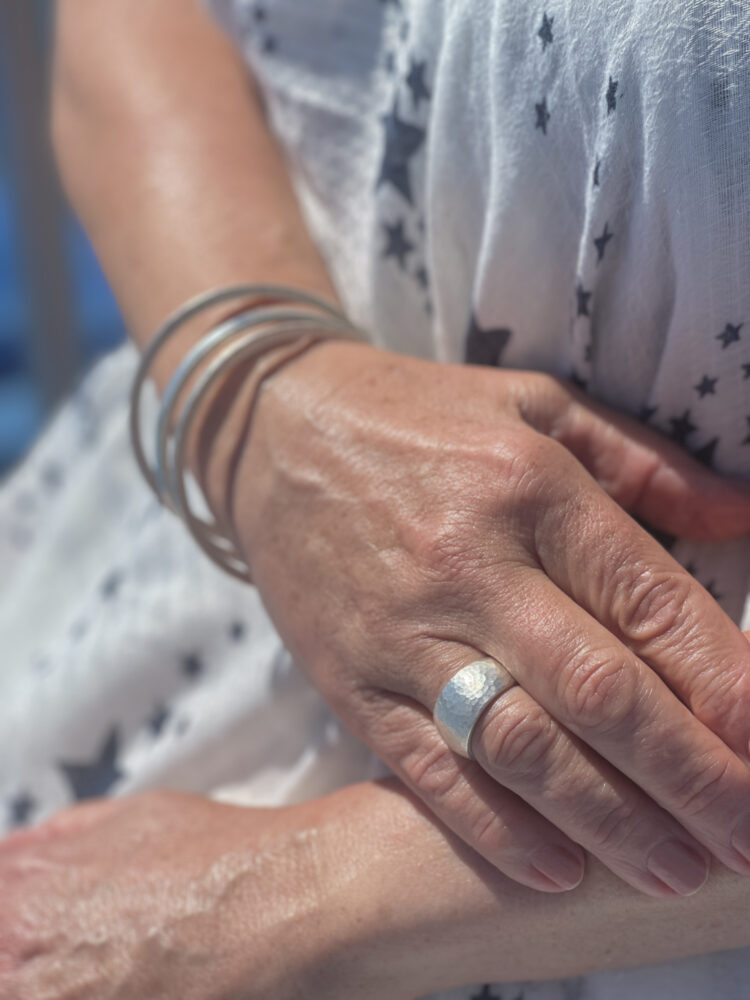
(403, 517)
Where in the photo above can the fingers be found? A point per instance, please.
(599, 690)
(523, 748)
(626, 581)
(640, 469)
(489, 818)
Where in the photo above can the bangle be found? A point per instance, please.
(247, 335)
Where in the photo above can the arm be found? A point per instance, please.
(414, 904)
(360, 893)
(164, 150)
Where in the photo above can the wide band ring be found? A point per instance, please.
(465, 697)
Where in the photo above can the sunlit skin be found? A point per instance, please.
(392, 539)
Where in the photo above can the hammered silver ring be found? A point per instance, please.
(465, 697)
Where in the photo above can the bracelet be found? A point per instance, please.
(233, 340)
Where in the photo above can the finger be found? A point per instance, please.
(490, 819)
(600, 691)
(522, 747)
(639, 468)
(615, 570)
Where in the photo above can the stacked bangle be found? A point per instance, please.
(293, 318)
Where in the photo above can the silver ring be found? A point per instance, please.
(464, 698)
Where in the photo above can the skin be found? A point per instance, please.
(630, 721)
(360, 894)
(528, 556)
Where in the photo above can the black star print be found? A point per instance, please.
(705, 453)
(192, 665)
(389, 62)
(746, 371)
(583, 300)
(260, 13)
(415, 82)
(21, 808)
(237, 631)
(542, 115)
(611, 95)
(710, 588)
(421, 277)
(646, 413)
(706, 386)
(158, 719)
(485, 347)
(402, 141)
(486, 994)
(578, 381)
(662, 537)
(682, 427)
(601, 242)
(89, 781)
(398, 244)
(747, 439)
(729, 335)
(545, 32)
(111, 584)
(596, 173)
(270, 44)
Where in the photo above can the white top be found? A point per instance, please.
(556, 186)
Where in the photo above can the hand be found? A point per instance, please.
(160, 895)
(403, 517)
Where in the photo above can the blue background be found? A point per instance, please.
(96, 320)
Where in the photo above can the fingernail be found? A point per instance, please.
(677, 865)
(741, 837)
(559, 865)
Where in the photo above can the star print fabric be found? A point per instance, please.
(558, 186)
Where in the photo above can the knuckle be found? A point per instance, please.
(654, 606)
(441, 548)
(720, 698)
(600, 691)
(433, 770)
(489, 835)
(518, 740)
(706, 783)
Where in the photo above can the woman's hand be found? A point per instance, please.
(403, 517)
(163, 896)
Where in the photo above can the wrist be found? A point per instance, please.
(231, 446)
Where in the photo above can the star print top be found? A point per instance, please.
(558, 186)
(554, 186)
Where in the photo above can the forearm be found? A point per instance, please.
(164, 151)
(418, 911)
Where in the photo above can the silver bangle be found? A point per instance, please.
(320, 321)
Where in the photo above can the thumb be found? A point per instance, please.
(645, 472)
